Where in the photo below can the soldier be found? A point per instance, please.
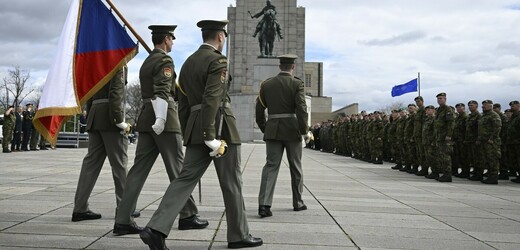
(8, 128)
(504, 170)
(459, 159)
(513, 137)
(17, 136)
(470, 141)
(508, 149)
(35, 136)
(203, 106)
(284, 98)
(428, 141)
(419, 117)
(391, 137)
(378, 129)
(412, 165)
(444, 121)
(104, 125)
(489, 127)
(397, 138)
(27, 115)
(159, 133)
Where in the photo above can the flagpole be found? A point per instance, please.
(419, 82)
(129, 26)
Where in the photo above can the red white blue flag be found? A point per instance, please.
(93, 46)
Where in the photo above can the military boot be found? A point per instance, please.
(476, 177)
(463, 174)
(433, 175)
(503, 175)
(414, 170)
(444, 178)
(517, 180)
(512, 173)
(423, 172)
(406, 168)
(454, 171)
(490, 180)
(398, 166)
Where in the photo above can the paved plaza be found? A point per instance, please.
(352, 205)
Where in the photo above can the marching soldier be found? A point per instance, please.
(443, 130)
(513, 137)
(204, 107)
(159, 133)
(284, 98)
(105, 124)
(459, 159)
(489, 127)
(470, 140)
(8, 128)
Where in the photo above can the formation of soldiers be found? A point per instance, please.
(18, 131)
(435, 142)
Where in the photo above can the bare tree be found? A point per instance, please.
(388, 108)
(15, 86)
(134, 101)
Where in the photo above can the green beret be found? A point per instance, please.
(513, 103)
(287, 58)
(497, 105)
(487, 102)
(412, 105)
(441, 94)
(430, 107)
(460, 105)
(213, 25)
(163, 29)
(472, 102)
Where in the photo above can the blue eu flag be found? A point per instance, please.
(408, 87)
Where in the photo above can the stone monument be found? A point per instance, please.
(249, 65)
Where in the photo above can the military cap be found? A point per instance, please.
(28, 104)
(418, 98)
(441, 94)
(497, 105)
(430, 107)
(395, 110)
(412, 105)
(487, 102)
(163, 29)
(213, 25)
(507, 110)
(287, 58)
(460, 105)
(472, 102)
(513, 103)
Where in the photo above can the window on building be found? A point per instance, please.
(307, 80)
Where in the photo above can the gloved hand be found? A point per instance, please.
(125, 127)
(160, 108)
(214, 145)
(306, 138)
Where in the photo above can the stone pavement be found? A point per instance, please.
(352, 205)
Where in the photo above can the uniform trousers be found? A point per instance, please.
(229, 174)
(149, 145)
(101, 144)
(274, 150)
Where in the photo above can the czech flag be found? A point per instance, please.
(93, 46)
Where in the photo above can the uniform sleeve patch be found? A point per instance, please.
(167, 71)
(222, 61)
(223, 76)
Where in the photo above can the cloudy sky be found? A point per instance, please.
(468, 49)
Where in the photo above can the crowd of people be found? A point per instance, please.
(435, 142)
(18, 130)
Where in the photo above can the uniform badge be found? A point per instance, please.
(223, 76)
(167, 72)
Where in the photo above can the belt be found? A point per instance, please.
(199, 106)
(98, 101)
(147, 100)
(279, 116)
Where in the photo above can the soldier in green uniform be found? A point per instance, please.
(396, 138)
(8, 129)
(392, 141)
(104, 125)
(470, 141)
(401, 138)
(443, 130)
(489, 127)
(284, 98)
(513, 138)
(412, 164)
(419, 117)
(428, 141)
(204, 107)
(378, 129)
(504, 170)
(159, 133)
(459, 159)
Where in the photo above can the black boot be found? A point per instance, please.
(398, 166)
(444, 178)
(490, 180)
(423, 172)
(264, 211)
(476, 177)
(433, 175)
(406, 168)
(463, 174)
(517, 180)
(503, 175)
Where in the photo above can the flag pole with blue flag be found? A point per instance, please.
(411, 86)
(92, 47)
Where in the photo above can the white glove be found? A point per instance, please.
(160, 108)
(122, 125)
(306, 138)
(214, 145)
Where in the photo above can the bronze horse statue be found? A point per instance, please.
(270, 29)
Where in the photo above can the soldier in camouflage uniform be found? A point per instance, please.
(8, 129)
(412, 165)
(419, 117)
(443, 130)
(459, 151)
(513, 137)
(392, 139)
(378, 127)
(387, 149)
(400, 137)
(470, 141)
(428, 141)
(507, 149)
(504, 170)
(489, 127)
